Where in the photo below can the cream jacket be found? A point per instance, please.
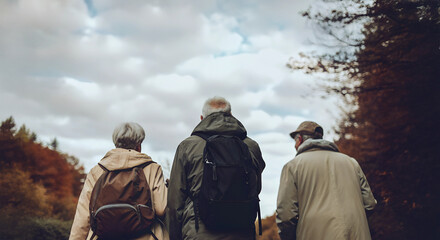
(327, 192)
(121, 159)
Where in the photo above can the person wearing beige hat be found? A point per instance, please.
(323, 194)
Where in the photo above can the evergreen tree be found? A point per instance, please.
(7, 128)
(54, 144)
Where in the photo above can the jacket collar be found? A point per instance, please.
(120, 158)
(317, 144)
(220, 123)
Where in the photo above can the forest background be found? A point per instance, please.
(383, 59)
(386, 65)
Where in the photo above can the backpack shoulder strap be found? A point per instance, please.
(144, 165)
(202, 135)
(103, 168)
(260, 226)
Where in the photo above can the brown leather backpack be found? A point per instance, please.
(120, 204)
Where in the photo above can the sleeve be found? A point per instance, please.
(287, 205)
(80, 227)
(257, 158)
(176, 189)
(159, 192)
(367, 196)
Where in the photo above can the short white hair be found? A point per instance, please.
(216, 104)
(128, 135)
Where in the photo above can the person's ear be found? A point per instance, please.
(298, 141)
(138, 148)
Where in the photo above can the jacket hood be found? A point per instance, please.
(317, 144)
(120, 158)
(220, 123)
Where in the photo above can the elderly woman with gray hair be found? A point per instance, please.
(127, 138)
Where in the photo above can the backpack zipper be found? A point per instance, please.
(214, 169)
(116, 205)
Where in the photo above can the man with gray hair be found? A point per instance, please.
(185, 211)
(323, 194)
(127, 155)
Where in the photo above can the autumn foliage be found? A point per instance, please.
(269, 229)
(39, 185)
(386, 66)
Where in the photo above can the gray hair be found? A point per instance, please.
(308, 136)
(216, 104)
(128, 135)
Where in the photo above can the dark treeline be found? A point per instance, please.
(39, 186)
(390, 72)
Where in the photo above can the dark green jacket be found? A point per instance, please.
(186, 175)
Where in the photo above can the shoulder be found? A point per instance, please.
(94, 175)
(354, 162)
(191, 140)
(153, 166)
(344, 157)
(192, 145)
(252, 144)
(96, 171)
(289, 168)
(153, 172)
(338, 156)
(291, 164)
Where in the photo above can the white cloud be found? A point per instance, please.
(73, 76)
(172, 84)
(87, 89)
(259, 119)
(218, 33)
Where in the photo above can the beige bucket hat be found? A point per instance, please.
(310, 128)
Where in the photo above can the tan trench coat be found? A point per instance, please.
(329, 193)
(121, 159)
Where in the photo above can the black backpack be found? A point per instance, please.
(228, 198)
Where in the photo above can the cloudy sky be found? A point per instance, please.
(75, 69)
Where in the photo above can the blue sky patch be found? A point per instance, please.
(91, 8)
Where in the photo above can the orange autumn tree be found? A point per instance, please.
(269, 229)
(32, 172)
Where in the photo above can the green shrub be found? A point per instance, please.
(18, 228)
